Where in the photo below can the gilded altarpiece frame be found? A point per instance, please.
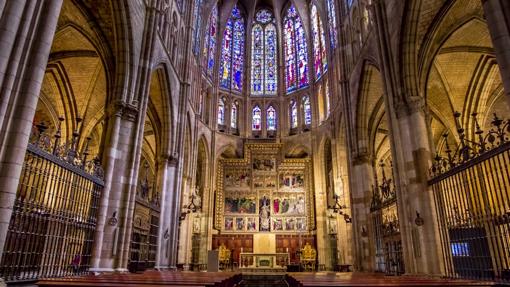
(264, 192)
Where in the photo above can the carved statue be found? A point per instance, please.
(264, 217)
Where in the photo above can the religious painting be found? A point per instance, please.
(243, 204)
(264, 164)
(237, 179)
(301, 224)
(292, 181)
(277, 224)
(289, 205)
(290, 224)
(264, 181)
(252, 225)
(229, 223)
(240, 224)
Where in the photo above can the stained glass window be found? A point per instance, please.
(293, 115)
(271, 119)
(332, 23)
(221, 111)
(320, 61)
(232, 54)
(257, 119)
(307, 110)
(233, 115)
(349, 3)
(197, 11)
(264, 68)
(296, 51)
(327, 100)
(210, 42)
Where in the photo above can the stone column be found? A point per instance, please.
(23, 24)
(166, 178)
(361, 191)
(423, 242)
(114, 205)
(497, 13)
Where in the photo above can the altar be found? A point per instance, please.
(261, 262)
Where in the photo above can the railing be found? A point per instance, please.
(52, 226)
(472, 191)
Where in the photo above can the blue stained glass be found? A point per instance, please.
(264, 16)
(264, 61)
(307, 110)
(197, 11)
(256, 119)
(210, 42)
(221, 111)
(333, 34)
(271, 119)
(232, 55)
(319, 40)
(271, 71)
(257, 60)
(226, 58)
(233, 115)
(295, 51)
(293, 114)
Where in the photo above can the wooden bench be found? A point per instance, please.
(148, 279)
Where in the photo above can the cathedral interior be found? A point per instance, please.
(237, 137)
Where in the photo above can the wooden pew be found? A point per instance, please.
(148, 279)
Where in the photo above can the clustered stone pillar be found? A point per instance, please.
(361, 191)
(497, 14)
(422, 240)
(23, 24)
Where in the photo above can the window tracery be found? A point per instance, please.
(264, 76)
(210, 42)
(296, 51)
(319, 44)
(232, 55)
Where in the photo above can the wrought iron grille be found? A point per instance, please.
(387, 239)
(472, 191)
(54, 216)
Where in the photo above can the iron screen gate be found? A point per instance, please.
(52, 226)
(472, 192)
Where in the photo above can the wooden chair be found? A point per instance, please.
(224, 256)
(308, 257)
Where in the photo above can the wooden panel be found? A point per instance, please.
(235, 243)
(292, 244)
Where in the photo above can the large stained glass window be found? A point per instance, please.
(234, 115)
(293, 114)
(332, 23)
(295, 49)
(264, 69)
(210, 42)
(307, 110)
(271, 119)
(256, 119)
(232, 53)
(320, 61)
(197, 11)
(221, 111)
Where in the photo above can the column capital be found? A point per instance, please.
(171, 159)
(361, 158)
(122, 109)
(410, 105)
